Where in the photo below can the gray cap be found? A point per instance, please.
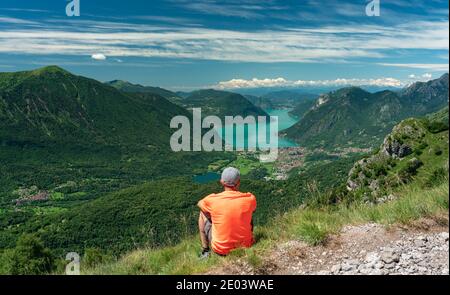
(230, 176)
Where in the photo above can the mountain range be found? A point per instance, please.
(212, 102)
(282, 100)
(354, 117)
(125, 86)
(222, 103)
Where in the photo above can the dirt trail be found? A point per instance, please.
(372, 249)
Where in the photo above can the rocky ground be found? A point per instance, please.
(417, 254)
(369, 249)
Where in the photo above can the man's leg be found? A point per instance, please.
(204, 226)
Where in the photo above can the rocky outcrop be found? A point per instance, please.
(395, 149)
(398, 144)
(370, 173)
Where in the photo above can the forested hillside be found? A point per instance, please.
(222, 103)
(136, 88)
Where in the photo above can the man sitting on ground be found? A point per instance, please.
(225, 221)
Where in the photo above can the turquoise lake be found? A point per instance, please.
(242, 138)
(284, 121)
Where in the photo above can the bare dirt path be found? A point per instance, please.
(369, 249)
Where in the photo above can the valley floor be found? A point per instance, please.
(369, 249)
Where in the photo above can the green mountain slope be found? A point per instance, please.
(354, 117)
(440, 117)
(136, 88)
(51, 104)
(284, 99)
(222, 103)
(259, 101)
(427, 97)
(58, 128)
(415, 150)
(302, 108)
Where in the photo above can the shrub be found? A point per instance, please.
(391, 162)
(258, 173)
(367, 173)
(30, 257)
(312, 233)
(358, 169)
(379, 169)
(436, 127)
(422, 146)
(93, 257)
(437, 151)
(410, 170)
(5, 261)
(399, 140)
(438, 176)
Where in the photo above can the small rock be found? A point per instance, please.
(336, 268)
(444, 236)
(389, 256)
(372, 257)
(377, 272)
(419, 243)
(348, 267)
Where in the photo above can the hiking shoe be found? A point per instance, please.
(205, 254)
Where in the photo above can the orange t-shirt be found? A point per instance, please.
(231, 215)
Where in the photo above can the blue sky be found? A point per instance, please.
(187, 44)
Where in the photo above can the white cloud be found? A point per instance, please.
(12, 20)
(282, 45)
(282, 82)
(254, 83)
(419, 78)
(98, 56)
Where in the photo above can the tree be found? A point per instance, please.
(30, 257)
